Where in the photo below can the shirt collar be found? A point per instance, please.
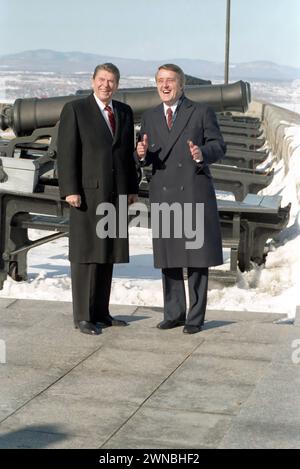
(102, 105)
(173, 107)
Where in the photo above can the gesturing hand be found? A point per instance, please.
(142, 147)
(195, 151)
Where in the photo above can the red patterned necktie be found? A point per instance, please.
(169, 117)
(111, 119)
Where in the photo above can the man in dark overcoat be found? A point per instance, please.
(180, 139)
(96, 166)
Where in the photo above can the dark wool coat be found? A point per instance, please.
(98, 167)
(177, 178)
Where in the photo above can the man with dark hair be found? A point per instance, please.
(95, 166)
(108, 67)
(180, 139)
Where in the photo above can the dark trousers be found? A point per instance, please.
(175, 299)
(91, 285)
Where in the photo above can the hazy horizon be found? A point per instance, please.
(260, 31)
(146, 60)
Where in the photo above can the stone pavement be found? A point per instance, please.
(234, 385)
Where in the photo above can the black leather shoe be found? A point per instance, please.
(169, 324)
(191, 329)
(87, 327)
(109, 321)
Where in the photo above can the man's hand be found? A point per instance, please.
(74, 200)
(195, 151)
(142, 147)
(132, 198)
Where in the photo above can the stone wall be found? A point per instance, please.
(281, 126)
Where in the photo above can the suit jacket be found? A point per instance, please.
(99, 167)
(177, 178)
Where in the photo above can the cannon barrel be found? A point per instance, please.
(28, 114)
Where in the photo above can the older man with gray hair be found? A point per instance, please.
(180, 139)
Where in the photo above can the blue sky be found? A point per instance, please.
(155, 29)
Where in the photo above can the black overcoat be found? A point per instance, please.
(177, 178)
(98, 167)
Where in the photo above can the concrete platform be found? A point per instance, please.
(234, 385)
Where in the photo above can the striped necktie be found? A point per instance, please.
(111, 119)
(169, 118)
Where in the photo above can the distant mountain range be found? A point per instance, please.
(75, 62)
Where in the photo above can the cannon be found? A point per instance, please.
(27, 115)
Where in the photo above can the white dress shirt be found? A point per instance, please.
(173, 107)
(104, 113)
